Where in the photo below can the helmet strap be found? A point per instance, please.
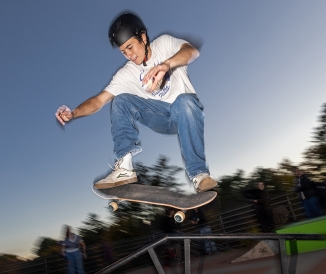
(146, 56)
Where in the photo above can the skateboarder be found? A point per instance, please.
(152, 89)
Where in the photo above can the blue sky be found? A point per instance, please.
(260, 76)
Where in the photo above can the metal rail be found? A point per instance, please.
(281, 238)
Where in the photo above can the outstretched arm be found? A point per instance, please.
(90, 106)
(184, 56)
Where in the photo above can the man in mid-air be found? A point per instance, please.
(152, 89)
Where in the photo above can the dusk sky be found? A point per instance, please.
(260, 75)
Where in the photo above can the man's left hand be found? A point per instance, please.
(155, 74)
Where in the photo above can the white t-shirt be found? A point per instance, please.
(129, 78)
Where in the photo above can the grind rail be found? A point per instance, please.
(281, 238)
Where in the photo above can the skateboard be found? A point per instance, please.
(155, 195)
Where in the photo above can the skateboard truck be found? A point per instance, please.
(179, 216)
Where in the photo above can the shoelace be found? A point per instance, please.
(199, 178)
(116, 165)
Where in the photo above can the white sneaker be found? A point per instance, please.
(119, 176)
(203, 182)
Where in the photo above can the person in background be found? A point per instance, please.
(71, 250)
(308, 194)
(259, 197)
(197, 218)
(172, 248)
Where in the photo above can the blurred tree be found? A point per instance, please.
(45, 247)
(315, 156)
(285, 175)
(270, 177)
(9, 258)
(320, 131)
(285, 167)
(161, 174)
(230, 189)
(10, 263)
(92, 229)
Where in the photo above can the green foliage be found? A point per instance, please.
(285, 167)
(45, 247)
(230, 189)
(271, 178)
(161, 174)
(320, 132)
(315, 156)
(92, 229)
(9, 258)
(11, 263)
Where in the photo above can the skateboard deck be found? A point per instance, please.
(155, 195)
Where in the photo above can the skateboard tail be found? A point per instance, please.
(102, 195)
(124, 182)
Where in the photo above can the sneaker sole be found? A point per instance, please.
(120, 183)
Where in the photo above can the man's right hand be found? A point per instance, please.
(64, 114)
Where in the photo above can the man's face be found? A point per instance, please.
(134, 50)
(297, 172)
(261, 185)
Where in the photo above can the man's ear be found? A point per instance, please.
(144, 38)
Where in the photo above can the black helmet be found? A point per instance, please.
(124, 27)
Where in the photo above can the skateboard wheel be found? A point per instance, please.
(113, 206)
(179, 217)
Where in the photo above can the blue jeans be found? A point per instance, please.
(184, 117)
(75, 262)
(313, 207)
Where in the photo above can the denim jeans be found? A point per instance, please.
(75, 262)
(184, 117)
(313, 207)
